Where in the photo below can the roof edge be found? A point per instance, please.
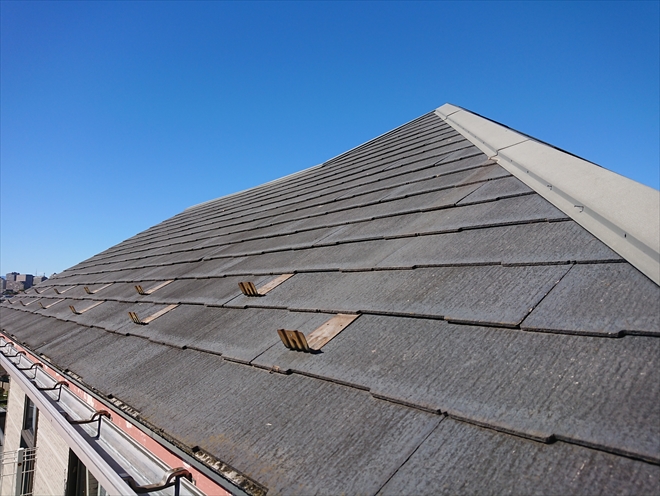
(269, 183)
(622, 213)
(294, 174)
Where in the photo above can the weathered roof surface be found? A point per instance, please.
(500, 347)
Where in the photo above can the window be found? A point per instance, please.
(4, 395)
(80, 481)
(17, 471)
(30, 414)
(28, 442)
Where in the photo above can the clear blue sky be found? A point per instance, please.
(118, 115)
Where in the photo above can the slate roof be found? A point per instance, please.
(500, 347)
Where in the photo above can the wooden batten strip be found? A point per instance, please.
(63, 291)
(141, 291)
(89, 291)
(160, 313)
(321, 336)
(78, 312)
(269, 286)
(161, 285)
(51, 304)
(134, 317)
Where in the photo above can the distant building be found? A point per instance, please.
(20, 282)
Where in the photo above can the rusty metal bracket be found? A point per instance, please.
(170, 478)
(137, 320)
(14, 356)
(149, 291)
(58, 385)
(33, 366)
(317, 339)
(97, 416)
(248, 288)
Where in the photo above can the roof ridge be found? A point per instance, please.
(622, 213)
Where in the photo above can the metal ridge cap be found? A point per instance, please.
(447, 109)
(622, 213)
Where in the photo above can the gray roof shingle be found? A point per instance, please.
(501, 348)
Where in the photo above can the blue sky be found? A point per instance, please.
(117, 115)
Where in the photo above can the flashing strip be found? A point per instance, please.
(622, 213)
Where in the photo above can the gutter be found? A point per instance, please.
(120, 463)
(107, 477)
(622, 213)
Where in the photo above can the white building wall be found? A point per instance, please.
(13, 425)
(52, 461)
